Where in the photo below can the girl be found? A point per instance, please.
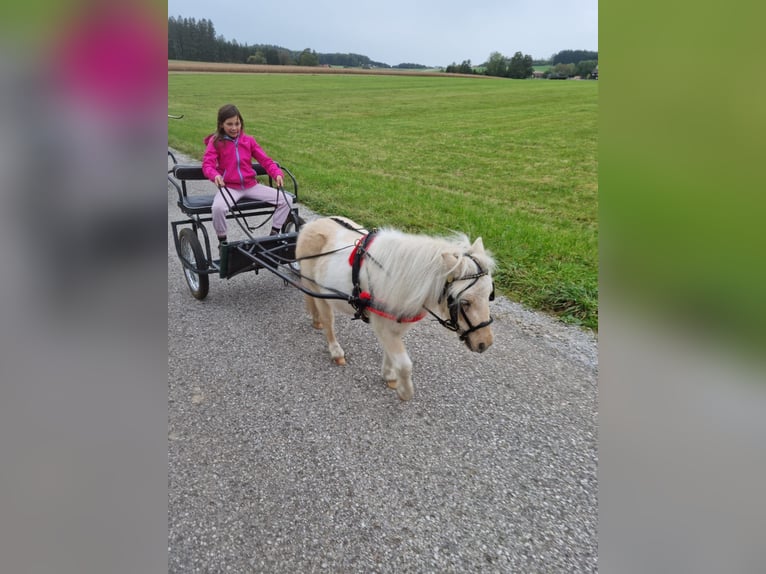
(227, 162)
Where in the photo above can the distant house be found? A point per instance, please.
(594, 73)
(538, 74)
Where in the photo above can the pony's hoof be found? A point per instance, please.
(317, 325)
(392, 384)
(339, 360)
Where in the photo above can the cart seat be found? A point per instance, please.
(194, 171)
(201, 204)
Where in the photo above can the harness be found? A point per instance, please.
(363, 302)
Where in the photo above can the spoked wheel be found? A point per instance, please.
(191, 251)
(291, 225)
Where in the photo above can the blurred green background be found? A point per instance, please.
(681, 190)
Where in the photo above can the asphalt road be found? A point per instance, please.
(280, 461)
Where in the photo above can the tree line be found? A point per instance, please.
(196, 40)
(564, 64)
(519, 66)
(573, 57)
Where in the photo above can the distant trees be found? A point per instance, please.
(408, 66)
(564, 64)
(562, 70)
(519, 66)
(570, 63)
(347, 60)
(573, 56)
(308, 58)
(584, 68)
(272, 55)
(465, 67)
(497, 65)
(190, 39)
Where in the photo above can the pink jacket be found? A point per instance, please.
(232, 159)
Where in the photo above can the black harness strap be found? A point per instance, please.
(359, 303)
(454, 304)
(240, 219)
(347, 225)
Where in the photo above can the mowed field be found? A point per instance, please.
(217, 67)
(512, 161)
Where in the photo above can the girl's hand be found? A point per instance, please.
(218, 180)
(280, 181)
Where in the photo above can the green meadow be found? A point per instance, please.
(512, 161)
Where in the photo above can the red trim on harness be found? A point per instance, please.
(366, 296)
(358, 250)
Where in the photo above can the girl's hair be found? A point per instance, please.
(224, 113)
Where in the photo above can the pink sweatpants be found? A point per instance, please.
(259, 192)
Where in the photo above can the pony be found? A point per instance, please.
(391, 280)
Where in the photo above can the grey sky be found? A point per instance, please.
(429, 32)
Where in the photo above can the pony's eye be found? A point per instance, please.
(465, 304)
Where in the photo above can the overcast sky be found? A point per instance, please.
(429, 32)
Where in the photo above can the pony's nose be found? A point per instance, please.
(482, 347)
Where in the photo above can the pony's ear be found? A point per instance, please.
(450, 261)
(478, 245)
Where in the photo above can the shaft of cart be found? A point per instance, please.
(275, 254)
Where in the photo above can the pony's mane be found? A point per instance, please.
(414, 267)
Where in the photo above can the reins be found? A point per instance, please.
(241, 220)
(317, 255)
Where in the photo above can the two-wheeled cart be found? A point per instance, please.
(275, 253)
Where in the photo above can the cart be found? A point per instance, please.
(275, 253)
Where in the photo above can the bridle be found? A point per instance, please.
(455, 307)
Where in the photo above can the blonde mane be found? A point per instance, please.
(406, 272)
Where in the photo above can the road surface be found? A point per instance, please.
(280, 461)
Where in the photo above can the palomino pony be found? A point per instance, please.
(392, 280)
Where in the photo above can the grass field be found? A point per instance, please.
(512, 161)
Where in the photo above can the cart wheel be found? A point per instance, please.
(191, 251)
(290, 226)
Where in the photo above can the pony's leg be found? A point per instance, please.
(326, 318)
(389, 374)
(311, 307)
(397, 365)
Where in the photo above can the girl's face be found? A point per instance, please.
(231, 126)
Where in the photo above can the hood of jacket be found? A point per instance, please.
(210, 137)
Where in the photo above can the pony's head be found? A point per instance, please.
(467, 292)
